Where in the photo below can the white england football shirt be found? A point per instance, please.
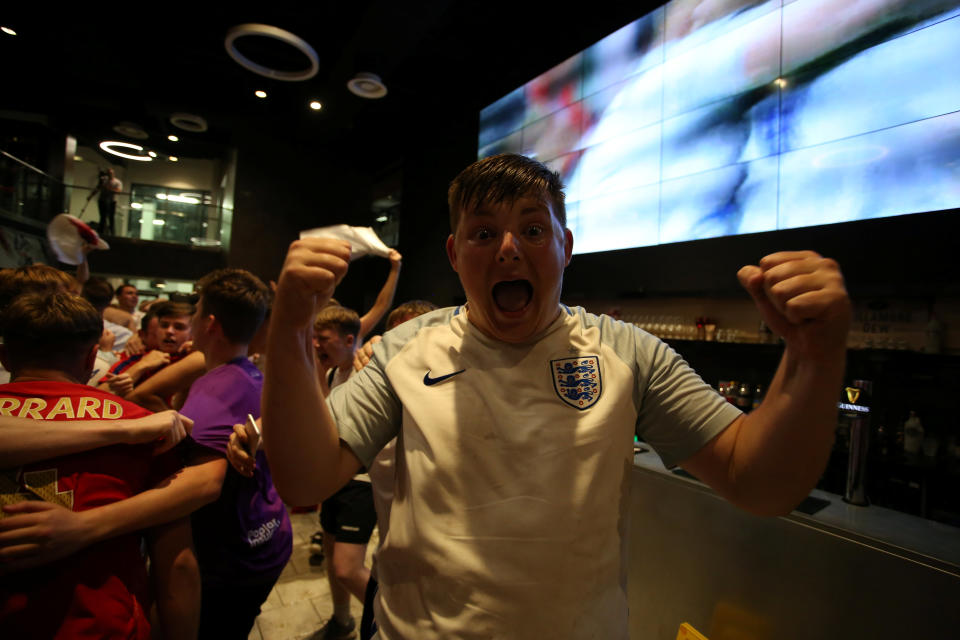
(512, 470)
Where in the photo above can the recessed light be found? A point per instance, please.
(8, 31)
(367, 85)
(260, 93)
(188, 122)
(315, 105)
(152, 154)
(382, 219)
(136, 205)
(78, 158)
(174, 159)
(131, 130)
(173, 138)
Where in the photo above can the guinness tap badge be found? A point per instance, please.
(853, 394)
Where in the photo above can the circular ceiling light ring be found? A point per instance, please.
(367, 85)
(108, 146)
(131, 130)
(276, 33)
(188, 122)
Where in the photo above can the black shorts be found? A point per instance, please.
(349, 515)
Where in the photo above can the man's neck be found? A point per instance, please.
(222, 353)
(346, 367)
(44, 375)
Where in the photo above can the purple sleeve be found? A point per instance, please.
(219, 400)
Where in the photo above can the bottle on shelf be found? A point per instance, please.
(912, 434)
(744, 396)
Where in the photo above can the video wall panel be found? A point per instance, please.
(720, 117)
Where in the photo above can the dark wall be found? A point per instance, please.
(284, 188)
(150, 259)
(913, 255)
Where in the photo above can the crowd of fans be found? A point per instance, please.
(158, 386)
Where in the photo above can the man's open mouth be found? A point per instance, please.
(512, 295)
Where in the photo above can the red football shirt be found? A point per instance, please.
(101, 591)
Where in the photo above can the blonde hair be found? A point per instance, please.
(345, 321)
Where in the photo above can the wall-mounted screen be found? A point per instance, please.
(709, 118)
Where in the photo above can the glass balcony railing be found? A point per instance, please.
(146, 212)
(28, 194)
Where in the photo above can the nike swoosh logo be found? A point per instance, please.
(427, 380)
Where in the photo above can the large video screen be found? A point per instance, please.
(709, 118)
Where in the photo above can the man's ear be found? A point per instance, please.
(451, 252)
(349, 340)
(210, 324)
(567, 246)
(91, 360)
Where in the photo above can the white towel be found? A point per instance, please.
(363, 240)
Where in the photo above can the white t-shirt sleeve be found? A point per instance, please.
(678, 412)
(366, 410)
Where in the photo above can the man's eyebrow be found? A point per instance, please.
(535, 209)
(479, 211)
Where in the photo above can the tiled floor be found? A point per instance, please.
(300, 602)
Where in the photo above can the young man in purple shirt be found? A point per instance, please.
(244, 538)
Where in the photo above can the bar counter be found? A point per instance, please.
(836, 571)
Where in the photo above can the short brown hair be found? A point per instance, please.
(99, 292)
(345, 321)
(53, 330)
(238, 299)
(32, 278)
(504, 178)
(170, 309)
(408, 311)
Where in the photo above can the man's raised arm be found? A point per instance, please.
(301, 440)
(384, 299)
(767, 461)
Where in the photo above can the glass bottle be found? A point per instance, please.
(912, 434)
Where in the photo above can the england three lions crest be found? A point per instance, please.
(577, 380)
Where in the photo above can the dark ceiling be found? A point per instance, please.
(88, 71)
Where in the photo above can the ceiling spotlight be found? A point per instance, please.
(109, 147)
(174, 159)
(367, 85)
(315, 105)
(136, 205)
(131, 130)
(152, 154)
(78, 158)
(267, 31)
(8, 31)
(260, 93)
(173, 138)
(188, 122)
